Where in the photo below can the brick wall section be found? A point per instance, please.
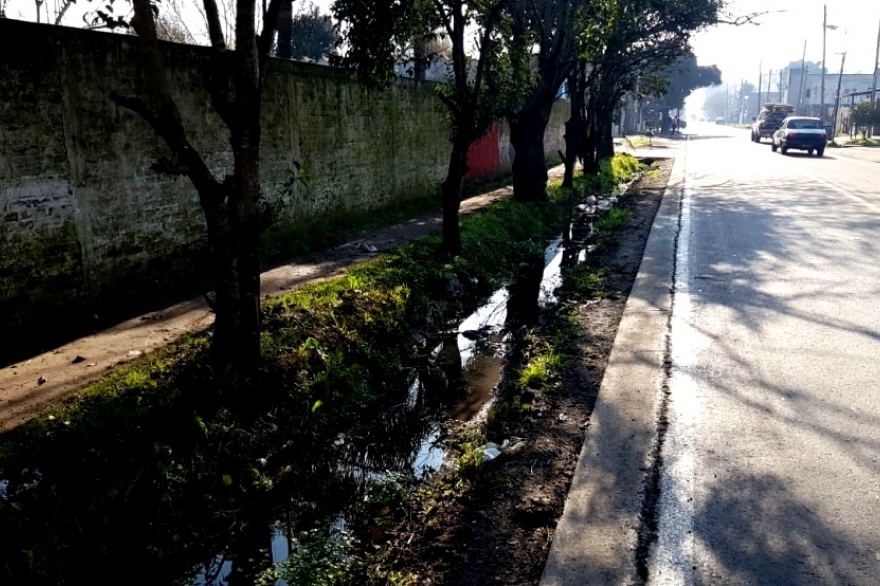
(82, 218)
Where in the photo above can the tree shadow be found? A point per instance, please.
(738, 530)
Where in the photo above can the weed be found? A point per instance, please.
(540, 369)
(865, 142)
(638, 141)
(614, 219)
(585, 280)
(322, 558)
(470, 454)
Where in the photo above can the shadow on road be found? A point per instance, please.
(732, 531)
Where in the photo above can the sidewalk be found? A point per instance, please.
(851, 151)
(30, 386)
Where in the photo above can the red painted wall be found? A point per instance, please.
(484, 157)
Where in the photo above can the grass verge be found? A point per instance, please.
(160, 467)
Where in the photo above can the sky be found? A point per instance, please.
(740, 52)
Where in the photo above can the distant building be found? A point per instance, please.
(804, 90)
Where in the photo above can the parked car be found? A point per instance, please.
(719, 120)
(769, 120)
(800, 133)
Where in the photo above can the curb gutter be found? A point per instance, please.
(597, 537)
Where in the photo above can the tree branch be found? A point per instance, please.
(267, 36)
(747, 18)
(139, 107)
(142, 22)
(63, 10)
(441, 12)
(184, 159)
(215, 29)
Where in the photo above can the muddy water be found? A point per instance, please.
(473, 356)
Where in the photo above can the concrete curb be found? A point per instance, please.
(597, 535)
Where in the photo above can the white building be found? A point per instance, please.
(804, 90)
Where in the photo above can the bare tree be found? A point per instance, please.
(170, 28)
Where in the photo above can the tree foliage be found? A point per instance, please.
(681, 79)
(313, 35)
(624, 46)
(373, 30)
(865, 115)
(541, 44)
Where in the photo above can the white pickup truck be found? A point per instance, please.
(769, 120)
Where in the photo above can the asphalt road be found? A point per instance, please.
(771, 460)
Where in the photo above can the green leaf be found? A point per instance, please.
(317, 405)
(201, 424)
(227, 479)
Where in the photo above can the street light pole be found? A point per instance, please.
(760, 85)
(803, 80)
(876, 62)
(874, 78)
(824, 31)
(837, 101)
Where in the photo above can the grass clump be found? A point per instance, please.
(638, 141)
(865, 142)
(612, 220)
(541, 368)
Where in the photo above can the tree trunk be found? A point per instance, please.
(574, 127)
(231, 208)
(246, 152)
(606, 139)
(529, 162)
(451, 192)
(591, 161)
(419, 59)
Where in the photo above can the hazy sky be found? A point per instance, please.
(779, 38)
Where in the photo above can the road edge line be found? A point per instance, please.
(597, 536)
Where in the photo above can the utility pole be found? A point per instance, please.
(837, 101)
(803, 79)
(769, 83)
(727, 105)
(874, 79)
(760, 86)
(781, 88)
(876, 63)
(824, 31)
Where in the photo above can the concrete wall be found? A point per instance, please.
(82, 217)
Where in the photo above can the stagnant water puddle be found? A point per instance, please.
(456, 382)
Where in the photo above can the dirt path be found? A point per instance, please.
(31, 385)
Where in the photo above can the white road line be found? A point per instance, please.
(671, 560)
